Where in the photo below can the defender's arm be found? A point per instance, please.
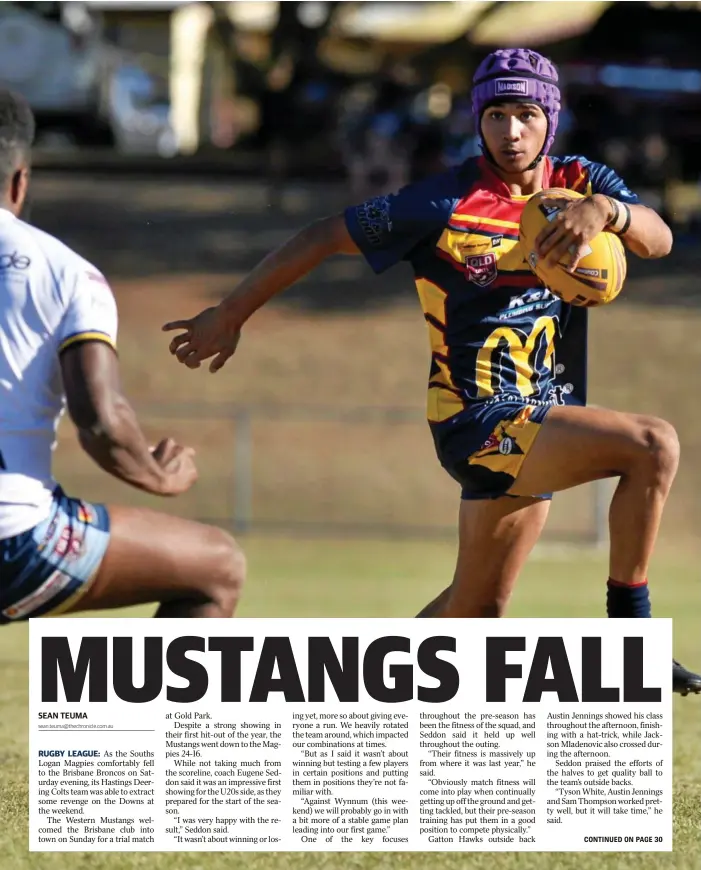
(107, 426)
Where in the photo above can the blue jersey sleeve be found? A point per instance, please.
(604, 180)
(387, 228)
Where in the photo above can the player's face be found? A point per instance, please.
(514, 134)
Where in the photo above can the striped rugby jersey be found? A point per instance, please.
(495, 330)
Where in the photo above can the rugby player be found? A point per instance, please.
(507, 385)
(58, 332)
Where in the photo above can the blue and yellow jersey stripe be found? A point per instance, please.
(88, 335)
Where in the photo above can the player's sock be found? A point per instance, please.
(627, 600)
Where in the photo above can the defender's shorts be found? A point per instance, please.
(483, 447)
(46, 569)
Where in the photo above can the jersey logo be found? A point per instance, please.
(374, 219)
(474, 245)
(14, 261)
(481, 270)
(530, 297)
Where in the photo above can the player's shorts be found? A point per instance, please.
(48, 568)
(484, 446)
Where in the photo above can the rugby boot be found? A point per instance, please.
(684, 681)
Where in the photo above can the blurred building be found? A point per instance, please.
(376, 91)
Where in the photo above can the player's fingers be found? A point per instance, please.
(559, 250)
(553, 238)
(162, 448)
(576, 257)
(542, 236)
(185, 351)
(176, 324)
(192, 361)
(166, 450)
(554, 228)
(178, 341)
(220, 359)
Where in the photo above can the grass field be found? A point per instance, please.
(293, 578)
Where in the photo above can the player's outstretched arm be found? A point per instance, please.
(215, 331)
(108, 429)
(283, 267)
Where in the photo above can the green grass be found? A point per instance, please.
(293, 578)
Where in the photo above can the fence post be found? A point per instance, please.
(243, 472)
(601, 506)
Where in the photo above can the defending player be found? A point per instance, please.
(507, 386)
(58, 329)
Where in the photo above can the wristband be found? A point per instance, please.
(620, 217)
(626, 226)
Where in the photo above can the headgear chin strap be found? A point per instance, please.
(517, 75)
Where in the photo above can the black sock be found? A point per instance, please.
(627, 600)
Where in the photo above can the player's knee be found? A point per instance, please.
(229, 570)
(662, 450)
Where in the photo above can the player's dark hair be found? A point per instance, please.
(17, 129)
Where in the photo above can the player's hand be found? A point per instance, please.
(178, 464)
(204, 336)
(577, 223)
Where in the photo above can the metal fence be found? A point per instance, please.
(333, 471)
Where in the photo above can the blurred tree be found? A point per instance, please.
(294, 40)
(459, 50)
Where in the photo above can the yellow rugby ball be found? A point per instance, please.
(600, 274)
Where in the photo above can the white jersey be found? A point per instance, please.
(50, 299)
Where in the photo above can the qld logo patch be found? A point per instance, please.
(481, 269)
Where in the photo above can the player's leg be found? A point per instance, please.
(495, 538)
(191, 569)
(88, 557)
(483, 450)
(433, 608)
(576, 445)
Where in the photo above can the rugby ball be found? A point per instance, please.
(600, 273)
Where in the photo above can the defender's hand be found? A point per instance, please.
(178, 465)
(572, 229)
(206, 335)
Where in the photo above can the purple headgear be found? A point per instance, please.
(517, 75)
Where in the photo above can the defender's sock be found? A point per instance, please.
(627, 600)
